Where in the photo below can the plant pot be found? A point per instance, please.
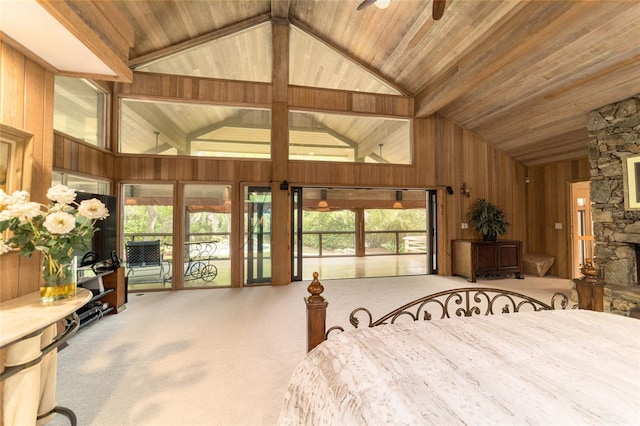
(490, 237)
(58, 279)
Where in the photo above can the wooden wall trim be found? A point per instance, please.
(260, 95)
(75, 156)
(195, 89)
(194, 169)
(310, 98)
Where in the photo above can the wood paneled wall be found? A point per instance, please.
(444, 154)
(548, 198)
(72, 155)
(462, 157)
(26, 103)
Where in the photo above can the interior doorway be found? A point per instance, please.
(355, 233)
(581, 226)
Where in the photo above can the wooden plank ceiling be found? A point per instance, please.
(523, 75)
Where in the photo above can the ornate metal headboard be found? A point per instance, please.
(458, 302)
(444, 304)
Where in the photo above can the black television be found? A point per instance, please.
(105, 237)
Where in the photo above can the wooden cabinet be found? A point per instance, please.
(475, 258)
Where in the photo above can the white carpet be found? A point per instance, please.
(219, 356)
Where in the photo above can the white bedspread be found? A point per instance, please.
(551, 367)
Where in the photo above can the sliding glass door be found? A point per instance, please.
(148, 235)
(258, 234)
(354, 233)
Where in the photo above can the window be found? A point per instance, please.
(79, 110)
(82, 184)
(244, 55)
(173, 128)
(316, 136)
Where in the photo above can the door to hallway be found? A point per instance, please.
(581, 226)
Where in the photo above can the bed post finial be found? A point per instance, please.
(590, 290)
(315, 288)
(316, 314)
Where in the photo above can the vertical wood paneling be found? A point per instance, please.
(12, 85)
(27, 103)
(74, 156)
(548, 199)
(445, 154)
(461, 158)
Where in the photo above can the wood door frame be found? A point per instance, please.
(573, 194)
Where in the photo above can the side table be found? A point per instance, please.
(29, 340)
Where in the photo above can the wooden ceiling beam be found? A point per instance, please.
(197, 41)
(280, 9)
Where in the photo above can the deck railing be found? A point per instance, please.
(316, 243)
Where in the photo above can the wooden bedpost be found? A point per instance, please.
(590, 290)
(316, 314)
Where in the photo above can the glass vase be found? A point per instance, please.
(58, 279)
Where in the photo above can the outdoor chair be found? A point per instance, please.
(144, 254)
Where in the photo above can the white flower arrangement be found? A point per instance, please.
(57, 229)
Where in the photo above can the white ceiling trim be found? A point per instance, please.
(29, 24)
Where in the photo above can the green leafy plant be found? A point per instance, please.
(488, 220)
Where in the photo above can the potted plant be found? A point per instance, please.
(488, 220)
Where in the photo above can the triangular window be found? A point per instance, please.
(245, 55)
(313, 63)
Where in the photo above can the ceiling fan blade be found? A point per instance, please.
(438, 8)
(365, 3)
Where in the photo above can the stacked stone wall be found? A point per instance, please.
(614, 132)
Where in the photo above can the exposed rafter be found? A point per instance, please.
(197, 41)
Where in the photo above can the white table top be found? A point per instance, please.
(24, 315)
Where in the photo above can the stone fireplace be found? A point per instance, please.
(614, 132)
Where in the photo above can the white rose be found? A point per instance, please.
(4, 198)
(4, 247)
(61, 194)
(22, 210)
(93, 209)
(19, 197)
(59, 223)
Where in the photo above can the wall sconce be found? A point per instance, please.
(284, 185)
(527, 180)
(398, 203)
(465, 190)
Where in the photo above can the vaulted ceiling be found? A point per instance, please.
(522, 75)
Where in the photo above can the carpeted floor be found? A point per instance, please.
(219, 356)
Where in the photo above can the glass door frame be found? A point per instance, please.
(254, 220)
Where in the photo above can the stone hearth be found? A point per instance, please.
(614, 134)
